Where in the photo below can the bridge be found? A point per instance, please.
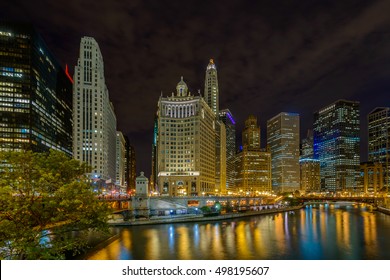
(161, 205)
(361, 199)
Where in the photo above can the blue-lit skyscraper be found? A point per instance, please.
(336, 132)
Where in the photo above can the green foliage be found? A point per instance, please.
(47, 209)
(205, 209)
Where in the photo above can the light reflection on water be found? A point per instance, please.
(311, 233)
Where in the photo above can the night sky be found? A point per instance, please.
(271, 56)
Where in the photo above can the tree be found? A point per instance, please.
(47, 208)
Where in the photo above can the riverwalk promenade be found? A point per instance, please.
(197, 217)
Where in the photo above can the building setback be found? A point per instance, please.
(185, 144)
(35, 93)
(94, 129)
(283, 142)
(253, 166)
(336, 134)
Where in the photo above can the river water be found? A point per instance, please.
(324, 232)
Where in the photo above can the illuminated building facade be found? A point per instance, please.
(133, 168)
(120, 160)
(185, 144)
(283, 141)
(310, 175)
(307, 145)
(211, 91)
(220, 157)
(35, 93)
(253, 165)
(230, 127)
(336, 133)
(94, 129)
(372, 174)
(309, 167)
(153, 176)
(379, 140)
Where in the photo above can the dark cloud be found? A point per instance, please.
(271, 56)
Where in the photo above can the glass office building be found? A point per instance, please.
(336, 145)
(35, 93)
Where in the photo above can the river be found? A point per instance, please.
(322, 232)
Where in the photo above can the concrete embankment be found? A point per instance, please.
(198, 218)
(383, 210)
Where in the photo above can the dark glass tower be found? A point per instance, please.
(35, 93)
(336, 134)
(230, 125)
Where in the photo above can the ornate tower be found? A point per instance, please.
(211, 91)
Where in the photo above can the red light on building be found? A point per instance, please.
(67, 73)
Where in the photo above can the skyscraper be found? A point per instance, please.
(211, 91)
(309, 167)
(133, 168)
(220, 157)
(35, 93)
(120, 160)
(336, 134)
(230, 126)
(153, 176)
(94, 129)
(185, 144)
(283, 141)
(379, 140)
(253, 165)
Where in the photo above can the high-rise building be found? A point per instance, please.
(211, 95)
(35, 93)
(230, 126)
(253, 166)
(309, 167)
(94, 121)
(211, 90)
(153, 176)
(185, 144)
(307, 145)
(310, 175)
(371, 176)
(336, 134)
(127, 163)
(220, 158)
(120, 160)
(133, 168)
(379, 141)
(283, 141)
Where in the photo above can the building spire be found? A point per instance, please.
(211, 91)
(181, 88)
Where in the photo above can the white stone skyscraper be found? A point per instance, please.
(94, 120)
(185, 144)
(211, 92)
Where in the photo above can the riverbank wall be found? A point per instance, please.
(383, 210)
(199, 218)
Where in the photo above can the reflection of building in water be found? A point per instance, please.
(370, 234)
(342, 227)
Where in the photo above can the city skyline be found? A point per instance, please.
(304, 59)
